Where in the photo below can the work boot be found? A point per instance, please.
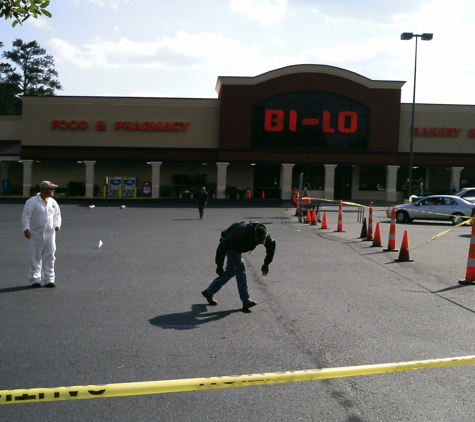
(248, 304)
(209, 297)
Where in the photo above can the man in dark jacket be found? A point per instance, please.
(202, 199)
(240, 237)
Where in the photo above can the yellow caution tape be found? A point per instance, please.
(337, 201)
(212, 383)
(466, 221)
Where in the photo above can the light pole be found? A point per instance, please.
(405, 36)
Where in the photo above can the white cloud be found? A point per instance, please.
(114, 4)
(362, 37)
(183, 51)
(153, 94)
(39, 23)
(266, 12)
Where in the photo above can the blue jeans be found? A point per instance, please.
(235, 267)
(201, 208)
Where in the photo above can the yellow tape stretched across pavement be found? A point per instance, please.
(212, 383)
(465, 219)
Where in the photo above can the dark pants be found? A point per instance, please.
(235, 267)
(201, 207)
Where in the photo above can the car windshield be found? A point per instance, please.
(467, 193)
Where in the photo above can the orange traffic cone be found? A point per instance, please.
(263, 194)
(340, 218)
(313, 222)
(404, 252)
(392, 233)
(364, 230)
(309, 216)
(370, 222)
(377, 236)
(324, 221)
(470, 275)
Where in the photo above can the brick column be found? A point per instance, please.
(221, 180)
(89, 178)
(156, 178)
(27, 176)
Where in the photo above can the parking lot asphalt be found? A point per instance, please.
(131, 310)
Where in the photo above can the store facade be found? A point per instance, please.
(348, 135)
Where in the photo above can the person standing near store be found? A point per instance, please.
(202, 198)
(41, 219)
(240, 237)
(453, 188)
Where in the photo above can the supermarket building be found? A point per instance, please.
(348, 135)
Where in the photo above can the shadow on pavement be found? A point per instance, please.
(190, 319)
(15, 289)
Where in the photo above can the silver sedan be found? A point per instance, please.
(436, 207)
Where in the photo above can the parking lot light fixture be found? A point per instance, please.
(406, 36)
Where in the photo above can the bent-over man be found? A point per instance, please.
(240, 237)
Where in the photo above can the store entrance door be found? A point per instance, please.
(267, 181)
(343, 175)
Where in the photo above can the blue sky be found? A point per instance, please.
(179, 48)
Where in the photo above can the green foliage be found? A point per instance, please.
(199, 180)
(34, 190)
(182, 180)
(231, 190)
(21, 10)
(30, 72)
(76, 188)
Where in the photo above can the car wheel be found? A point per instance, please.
(402, 217)
(456, 218)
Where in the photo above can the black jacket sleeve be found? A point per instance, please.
(270, 249)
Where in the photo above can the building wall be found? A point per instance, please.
(450, 129)
(60, 172)
(10, 128)
(239, 94)
(189, 136)
(241, 176)
(41, 112)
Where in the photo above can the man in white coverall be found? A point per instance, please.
(41, 220)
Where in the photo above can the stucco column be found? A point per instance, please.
(286, 181)
(156, 178)
(455, 176)
(328, 189)
(221, 180)
(4, 174)
(89, 178)
(391, 182)
(27, 176)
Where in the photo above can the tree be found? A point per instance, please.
(9, 101)
(21, 10)
(31, 73)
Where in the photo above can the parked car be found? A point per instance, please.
(435, 207)
(467, 193)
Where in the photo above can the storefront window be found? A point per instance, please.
(313, 176)
(373, 178)
(418, 176)
(310, 120)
